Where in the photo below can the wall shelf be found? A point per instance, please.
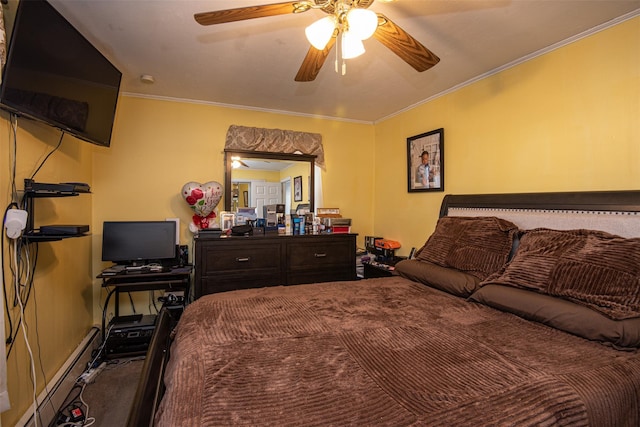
(34, 190)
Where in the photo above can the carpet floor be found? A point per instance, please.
(110, 396)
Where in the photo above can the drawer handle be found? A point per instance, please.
(320, 255)
(243, 259)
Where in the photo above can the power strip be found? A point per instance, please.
(89, 376)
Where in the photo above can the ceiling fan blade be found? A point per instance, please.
(250, 12)
(402, 44)
(313, 62)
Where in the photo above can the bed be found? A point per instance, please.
(520, 310)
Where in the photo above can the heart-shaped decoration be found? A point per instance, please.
(202, 198)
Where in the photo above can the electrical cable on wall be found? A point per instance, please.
(133, 306)
(104, 310)
(14, 229)
(152, 302)
(24, 274)
(4, 394)
(14, 220)
(23, 260)
(26, 339)
(6, 301)
(48, 155)
(14, 137)
(21, 268)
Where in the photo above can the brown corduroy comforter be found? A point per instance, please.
(386, 352)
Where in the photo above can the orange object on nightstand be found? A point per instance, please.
(387, 244)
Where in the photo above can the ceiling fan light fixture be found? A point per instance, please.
(319, 33)
(348, 24)
(352, 46)
(362, 22)
(237, 162)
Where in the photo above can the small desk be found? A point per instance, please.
(178, 278)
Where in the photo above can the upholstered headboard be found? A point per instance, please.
(616, 212)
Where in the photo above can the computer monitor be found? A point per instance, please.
(139, 242)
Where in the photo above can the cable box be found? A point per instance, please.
(63, 187)
(63, 230)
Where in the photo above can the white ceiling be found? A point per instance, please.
(269, 165)
(252, 64)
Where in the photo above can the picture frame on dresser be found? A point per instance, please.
(227, 220)
(425, 161)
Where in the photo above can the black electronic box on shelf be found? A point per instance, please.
(63, 230)
(63, 187)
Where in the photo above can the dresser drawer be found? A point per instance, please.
(228, 257)
(314, 255)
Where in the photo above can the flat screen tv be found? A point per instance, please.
(138, 242)
(55, 75)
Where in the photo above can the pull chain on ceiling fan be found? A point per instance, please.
(349, 22)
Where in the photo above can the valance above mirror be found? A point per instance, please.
(275, 141)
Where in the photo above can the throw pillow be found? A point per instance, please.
(478, 246)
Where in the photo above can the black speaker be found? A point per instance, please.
(183, 255)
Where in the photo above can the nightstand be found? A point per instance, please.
(374, 269)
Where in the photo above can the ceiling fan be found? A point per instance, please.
(347, 24)
(237, 162)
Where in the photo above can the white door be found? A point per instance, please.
(286, 191)
(264, 193)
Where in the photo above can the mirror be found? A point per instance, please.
(262, 178)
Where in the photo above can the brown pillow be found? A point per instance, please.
(446, 279)
(592, 268)
(478, 246)
(561, 314)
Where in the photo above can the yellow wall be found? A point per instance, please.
(565, 121)
(59, 311)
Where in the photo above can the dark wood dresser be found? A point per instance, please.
(225, 264)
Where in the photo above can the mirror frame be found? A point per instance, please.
(266, 155)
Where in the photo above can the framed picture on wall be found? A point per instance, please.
(297, 189)
(425, 161)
